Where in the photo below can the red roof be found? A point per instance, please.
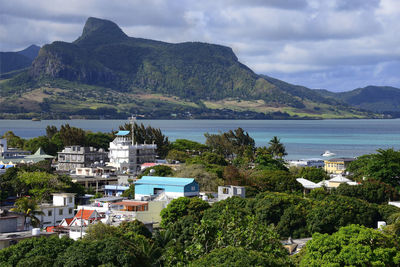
(68, 220)
(84, 214)
(149, 164)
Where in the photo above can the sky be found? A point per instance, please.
(337, 45)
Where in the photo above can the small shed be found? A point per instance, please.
(172, 187)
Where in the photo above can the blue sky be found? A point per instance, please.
(337, 45)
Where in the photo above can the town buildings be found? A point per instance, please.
(128, 157)
(337, 165)
(72, 157)
(62, 207)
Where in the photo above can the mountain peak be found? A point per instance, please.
(100, 28)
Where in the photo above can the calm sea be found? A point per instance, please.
(302, 138)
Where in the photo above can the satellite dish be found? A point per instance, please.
(152, 171)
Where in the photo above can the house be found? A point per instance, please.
(128, 157)
(337, 165)
(115, 190)
(85, 217)
(172, 187)
(225, 192)
(62, 207)
(81, 221)
(102, 204)
(334, 182)
(72, 157)
(129, 205)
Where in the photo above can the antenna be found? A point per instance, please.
(132, 120)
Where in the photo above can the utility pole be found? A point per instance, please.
(82, 220)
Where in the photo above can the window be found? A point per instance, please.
(238, 190)
(193, 188)
(65, 201)
(225, 190)
(60, 212)
(69, 199)
(70, 210)
(50, 213)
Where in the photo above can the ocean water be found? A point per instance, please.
(302, 138)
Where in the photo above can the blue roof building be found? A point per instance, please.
(115, 190)
(172, 187)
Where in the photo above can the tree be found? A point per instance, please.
(98, 140)
(353, 245)
(371, 190)
(13, 140)
(230, 144)
(159, 170)
(383, 166)
(39, 251)
(188, 146)
(129, 193)
(51, 130)
(177, 155)
(29, 208)
(40, 184)
(43, 142)
(208, 180)
(267, 162)
(335, 211)
(276, 148)
(236, 257)
(181, 207)
(232, 229)
(71, 135)
(314, 174)
(273, 180)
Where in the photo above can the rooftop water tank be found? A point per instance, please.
(36, 231)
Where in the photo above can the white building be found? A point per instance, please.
(128, 157)
(227, 191)
(62, 207)
(316, 163)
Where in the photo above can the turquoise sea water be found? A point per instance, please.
(302, 138)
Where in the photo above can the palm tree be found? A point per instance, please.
(29, 208)
(276, 148)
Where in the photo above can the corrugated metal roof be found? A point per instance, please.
(165, 180)
(122, 133)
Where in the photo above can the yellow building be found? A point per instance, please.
(337, 165)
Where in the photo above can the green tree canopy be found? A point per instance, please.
(181, 207)
(352, 245)
(383, 166)
(276, 148)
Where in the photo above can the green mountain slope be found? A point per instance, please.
(106, 69)
(375, 98)
(11, 61)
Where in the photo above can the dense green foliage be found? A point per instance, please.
(353, 245)
(35, 181)
(383, 166)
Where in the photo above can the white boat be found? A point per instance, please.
(328, 154)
